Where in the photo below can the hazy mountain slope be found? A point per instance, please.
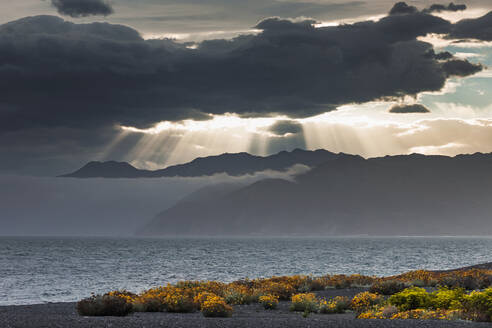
(231, 164)
(401, 195)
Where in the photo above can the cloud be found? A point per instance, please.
(479, 28)
(461, 68)
(89, 78)
(401, 8)
(404, 109)
(440, 8)
(83, 8)
(444, 55)
(284, 127)
(101, 74)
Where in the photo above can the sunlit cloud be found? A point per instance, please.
(198, 36)
(455, 16)
(364, 129)
(440, 41)
(441, 149)
(373, 18)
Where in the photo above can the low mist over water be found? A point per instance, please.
(67, 269)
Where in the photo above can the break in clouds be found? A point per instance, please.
(84, 79)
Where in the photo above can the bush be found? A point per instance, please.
(365, 301)
(201, 298)
(423, 314)
(148, 304)
(338, 304)
(215, 306)
(446, 298)
(283, 290)
(105, 305)
(304, 302)
(269, 302)
(180, 301)
(477, 306)
(410, 299)
(237, 296)
(387, 287)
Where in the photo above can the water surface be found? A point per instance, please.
(38, 270)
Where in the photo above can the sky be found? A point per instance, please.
(160, 82)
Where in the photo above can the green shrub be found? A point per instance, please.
(411, 299)
(477, 305)
(447, 299)
(104, 305)
(387, 287)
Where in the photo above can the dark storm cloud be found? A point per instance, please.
(284, 127)
(100, 74)
(83, 8)
(460, 67)
(440, 8)
(405, 109)
(402, 8)
(445, 55)
(87, 78)
(479, 28)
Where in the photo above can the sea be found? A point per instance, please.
(47, 269)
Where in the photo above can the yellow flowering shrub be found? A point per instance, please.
(180, 300)
(188, 296)
(237, 294)
(424, 314)
(129, 297)
(304, 302)
(201, 297)
(215, 306)
(269, 302)
(337, 304)
(283, 290)
(364, 301)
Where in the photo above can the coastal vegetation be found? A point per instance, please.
(459, 294)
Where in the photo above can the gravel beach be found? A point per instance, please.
(54, 315)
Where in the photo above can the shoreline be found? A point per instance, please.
(64, 314)
(248, 316)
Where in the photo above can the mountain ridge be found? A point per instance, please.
(232, 164)
(403, 195)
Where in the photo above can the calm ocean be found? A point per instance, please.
(38, 270)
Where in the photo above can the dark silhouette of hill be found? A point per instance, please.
(231, 164)
(392, 195)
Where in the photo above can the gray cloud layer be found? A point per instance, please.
(404, 109)
(284, 127)
(83, 8)
(101, 74)
(85, 78)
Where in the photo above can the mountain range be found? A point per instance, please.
(231, 164)
(346, 195)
